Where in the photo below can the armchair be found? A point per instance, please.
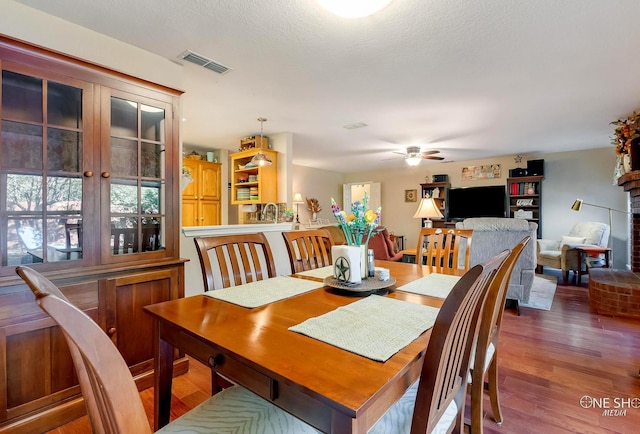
(382, 246)
(562, 254)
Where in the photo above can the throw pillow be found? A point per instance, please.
(572, 240)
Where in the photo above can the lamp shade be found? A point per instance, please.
(428, 209)
(261, 159)
(297, 198)
(577, 205)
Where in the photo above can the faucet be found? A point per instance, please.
(275, 212)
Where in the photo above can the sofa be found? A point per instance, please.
(493, 235)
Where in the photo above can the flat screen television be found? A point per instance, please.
(486, 201)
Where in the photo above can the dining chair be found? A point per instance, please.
(308, 249)
(435, 403)
(239, 259)
(112, 398)
(446, 250)
(484, 359)
(124, 240)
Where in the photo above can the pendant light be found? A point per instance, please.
(261, 159)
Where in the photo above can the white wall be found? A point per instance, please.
(31, 25)
(320, 184)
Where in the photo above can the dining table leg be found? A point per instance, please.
(163, 366)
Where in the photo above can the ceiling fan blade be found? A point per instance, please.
(427, 157)
(430, 152)
(400, 153)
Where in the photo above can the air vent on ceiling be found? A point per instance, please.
(199, 60)
(356, 126)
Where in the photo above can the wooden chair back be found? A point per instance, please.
(446, 363)
(123, 240)
(488, 333)
(110, 393)
(240, 259)
(308, 249)
(441, 249)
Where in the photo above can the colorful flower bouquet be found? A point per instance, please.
(357, 226)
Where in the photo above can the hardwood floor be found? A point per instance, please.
(549, 361)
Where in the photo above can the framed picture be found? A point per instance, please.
(410, 195)
(481, 172)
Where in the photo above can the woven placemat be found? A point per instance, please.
(263, 292)
(319, 273)
(374, 327)
(434, 285)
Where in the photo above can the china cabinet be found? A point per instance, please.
(201, 198)
(253, 183)
(89, 166)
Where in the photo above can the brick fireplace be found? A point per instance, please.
(630, 182)
(617, 292)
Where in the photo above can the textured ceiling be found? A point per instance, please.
(471, 78)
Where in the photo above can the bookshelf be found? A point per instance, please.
(441, 192)
(525, 199)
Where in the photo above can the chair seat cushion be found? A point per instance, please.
(491, 350)
(237, 410)
(397, 420)
(550, 254)
(572, 240)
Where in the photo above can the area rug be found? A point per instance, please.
(542, 292)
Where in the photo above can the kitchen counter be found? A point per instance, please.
(208, 231)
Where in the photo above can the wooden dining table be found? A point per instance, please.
(332, 389)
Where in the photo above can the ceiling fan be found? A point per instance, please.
(413, 156)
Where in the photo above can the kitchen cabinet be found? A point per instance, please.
(89, 164)
(253, 184)
(201, 198)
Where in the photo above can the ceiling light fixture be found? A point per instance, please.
(353, 8)
(261, 159)
(413, 161)
(413, 156)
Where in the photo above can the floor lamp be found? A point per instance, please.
(577, 206)
(428, 209)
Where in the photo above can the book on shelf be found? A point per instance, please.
(523, 188)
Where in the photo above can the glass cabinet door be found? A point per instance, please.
(43, 131)
(136, 176)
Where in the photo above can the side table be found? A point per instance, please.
(409, 256)
(589, 251)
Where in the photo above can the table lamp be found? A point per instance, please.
(297, 199)
(428, 209)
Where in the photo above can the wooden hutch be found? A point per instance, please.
(90, 191)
